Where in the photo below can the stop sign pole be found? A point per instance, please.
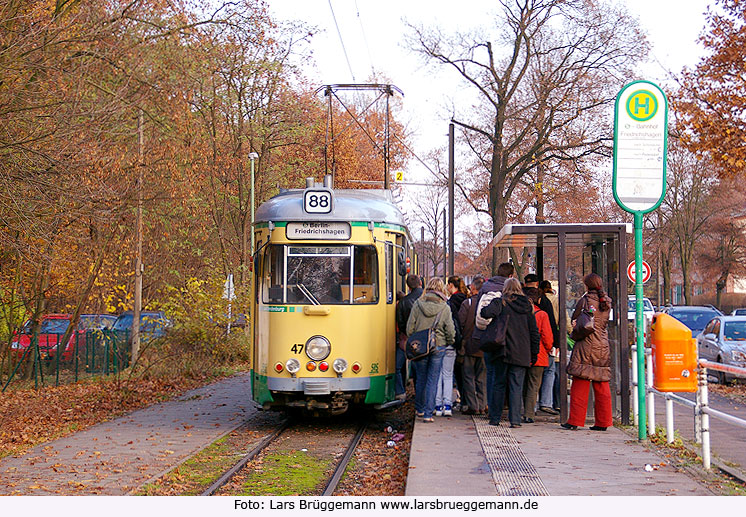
(640, 147)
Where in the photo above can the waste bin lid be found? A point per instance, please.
(665, 326)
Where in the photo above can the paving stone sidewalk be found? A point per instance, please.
(115, 457)
(462, 455)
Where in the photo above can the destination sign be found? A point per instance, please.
(333, 231)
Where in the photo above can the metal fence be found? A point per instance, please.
(93, 352)
(700, 406)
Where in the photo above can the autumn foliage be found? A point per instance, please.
(712, 100)
(212, 85)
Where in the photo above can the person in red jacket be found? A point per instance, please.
(535, 373)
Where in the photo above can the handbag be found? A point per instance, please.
(421, 343)
(584, 324)
(492, 339)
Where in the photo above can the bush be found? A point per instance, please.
(198, 342)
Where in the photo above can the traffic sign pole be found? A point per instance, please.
(642, 432)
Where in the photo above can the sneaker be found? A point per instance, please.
(447, 410)
(420, 413)
(548, 410)
(438, 411)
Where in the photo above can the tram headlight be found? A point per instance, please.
(318, 348)
(340, 366)
(292, 366)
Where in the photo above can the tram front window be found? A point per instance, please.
(321, 275)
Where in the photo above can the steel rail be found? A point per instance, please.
(331, 486)
(228, 475)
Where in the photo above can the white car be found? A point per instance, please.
(648, 311)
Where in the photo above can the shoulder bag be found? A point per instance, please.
(421, 343)
(584, 324)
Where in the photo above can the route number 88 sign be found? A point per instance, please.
(317, 201)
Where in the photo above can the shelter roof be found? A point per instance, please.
(576, 234)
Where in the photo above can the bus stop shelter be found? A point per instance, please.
(604, 252)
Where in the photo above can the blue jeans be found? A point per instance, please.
(400, 371)
(444, 393)
(546, 392)
(427, 373)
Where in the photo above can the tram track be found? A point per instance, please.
(292, 430)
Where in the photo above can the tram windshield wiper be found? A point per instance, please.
(307, 293)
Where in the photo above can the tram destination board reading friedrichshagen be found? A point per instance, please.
(640, 139)
(338, 231)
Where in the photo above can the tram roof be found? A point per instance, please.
(376, 205)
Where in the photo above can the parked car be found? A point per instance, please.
(153, 324)
(90, 327)
(723, 340)
(694, 316)
(738, 312)
(648, 311)
(54, 326)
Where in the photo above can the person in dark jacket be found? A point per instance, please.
(403, 308)
(492, 285)
(590, 362)
(521, 350)
(474, 395)
(450, 369)
(549, 399)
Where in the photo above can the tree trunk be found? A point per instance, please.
(666, 271)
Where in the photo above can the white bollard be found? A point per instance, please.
(704, 401)
(669, 420)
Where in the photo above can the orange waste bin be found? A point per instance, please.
(674, 355)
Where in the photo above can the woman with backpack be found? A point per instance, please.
(431, 311)
(517, 353)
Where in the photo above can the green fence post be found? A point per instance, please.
(57, 363)
(77, 347)
(116, 357)
(37, 364)
(20, 362)
(106, 358)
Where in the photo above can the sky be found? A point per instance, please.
(357, 37)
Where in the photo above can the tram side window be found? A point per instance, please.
(273, 273)
(366, 273)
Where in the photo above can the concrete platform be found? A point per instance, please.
(463, 455)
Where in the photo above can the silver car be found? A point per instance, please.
(723, 340)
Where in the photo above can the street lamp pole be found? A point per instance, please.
(137, 309)
(252, 156)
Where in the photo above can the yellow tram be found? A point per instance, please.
(327, 268)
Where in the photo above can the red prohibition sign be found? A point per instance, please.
(646, 271)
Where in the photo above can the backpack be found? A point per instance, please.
(493, 338)
(484, 300)
(421, 343)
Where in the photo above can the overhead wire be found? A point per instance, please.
(365, 39)
(342, 42)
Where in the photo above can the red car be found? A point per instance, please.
(53, 327)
